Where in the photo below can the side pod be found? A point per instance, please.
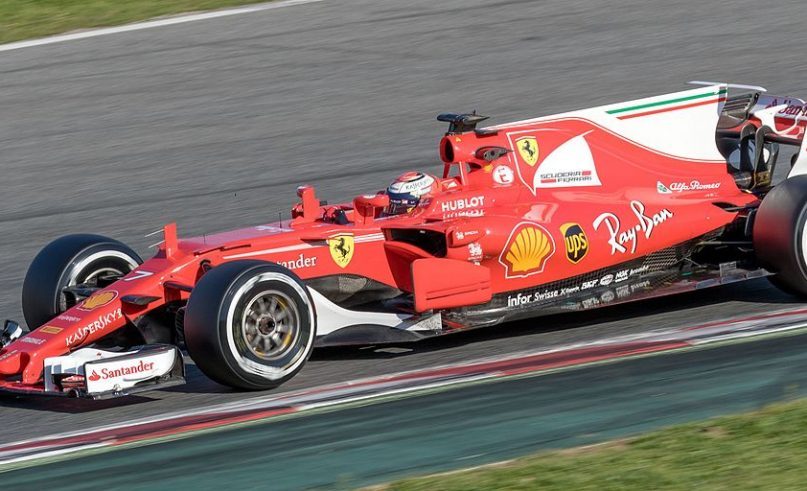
(447, 283)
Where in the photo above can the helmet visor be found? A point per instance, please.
(400, 204)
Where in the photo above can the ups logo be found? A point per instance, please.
(576, 242)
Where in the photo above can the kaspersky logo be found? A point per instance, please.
(528, 248)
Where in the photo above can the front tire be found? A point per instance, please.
(780, 235)
(68, 261)
(250, 324)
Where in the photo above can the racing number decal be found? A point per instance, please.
(137, 274)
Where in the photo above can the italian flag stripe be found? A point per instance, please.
(619, 110)
(673, 108)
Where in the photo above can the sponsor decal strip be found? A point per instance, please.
(108, 373)
(621, 237)
(550, 119)
(99, 324)
(721, 92)
(668, 109)
(297, 247)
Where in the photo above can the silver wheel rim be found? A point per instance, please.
(270, 325)
(92, 277)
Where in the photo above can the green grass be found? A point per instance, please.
(23, 19)
(766, 449)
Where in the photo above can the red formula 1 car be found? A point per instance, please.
(560, 213)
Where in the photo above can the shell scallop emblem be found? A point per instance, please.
(98, 299)
(527, 250)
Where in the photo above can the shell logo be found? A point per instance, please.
(528, 248)
(98, 299)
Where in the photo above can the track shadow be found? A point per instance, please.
(754, 291)
(70, 405)
(198, 383)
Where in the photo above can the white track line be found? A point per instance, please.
(342, 389)
(181, 19)
(9, 458)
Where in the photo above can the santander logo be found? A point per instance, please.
(107, 373)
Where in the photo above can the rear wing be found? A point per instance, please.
(755, 116)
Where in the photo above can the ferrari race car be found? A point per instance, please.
(560, 213)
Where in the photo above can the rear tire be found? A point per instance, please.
(250, 324)
(780, 235)
(69, 261)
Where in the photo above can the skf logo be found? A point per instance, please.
(576, 242)
(98, 299)
(528, 149)
(341, 248)
(527, 250)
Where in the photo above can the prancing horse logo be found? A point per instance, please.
(528, 149)
(341, 248)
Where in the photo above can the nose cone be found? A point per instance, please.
(13, 359)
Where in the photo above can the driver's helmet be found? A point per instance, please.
(407, 190)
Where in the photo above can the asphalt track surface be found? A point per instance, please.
(449, 429)
(214, 123)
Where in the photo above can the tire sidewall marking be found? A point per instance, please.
(75, 268)
(233, 300)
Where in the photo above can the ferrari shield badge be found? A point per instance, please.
(528, 150)
(341, 248)
(564, 159)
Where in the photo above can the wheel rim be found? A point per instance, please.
(270, 325)
(90, 269)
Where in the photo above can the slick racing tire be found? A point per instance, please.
(780, 235)
(250, 324)
(68, 261)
